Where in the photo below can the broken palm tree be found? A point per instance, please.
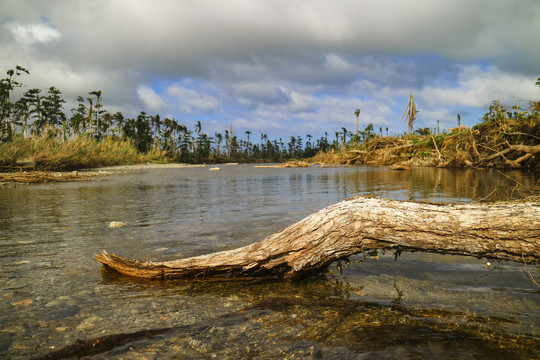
(509, 231)
(410, 114)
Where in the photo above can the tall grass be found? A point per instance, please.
(47, 153)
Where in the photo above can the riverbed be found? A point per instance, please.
(370, 306)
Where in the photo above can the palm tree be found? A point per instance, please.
(171, 126)
(411, 112)
(247, 145)
(34, 99)
(22, 111)
(219, 138)
(228, 142)
(264, 138)
(108, 122)
(31, 98)
(308, 144)
(90, 112)
(292, 146)
(97, 94)
(156, 122)
(7, 85)
(357, 113)
(53, 109)
(118, 118)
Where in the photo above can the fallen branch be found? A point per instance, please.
(519, 147)
(522, 134)
(436, 148)
(502, 231)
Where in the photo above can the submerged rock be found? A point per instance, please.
(24, 302)
(116, 224)
(399, 167)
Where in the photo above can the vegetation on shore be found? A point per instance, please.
(35, 133)
(25, 122)
(47, 153)
(506, 138)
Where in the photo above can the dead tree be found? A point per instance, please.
(509, 231)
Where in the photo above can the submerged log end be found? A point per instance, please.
(155, 270)
(131, 267)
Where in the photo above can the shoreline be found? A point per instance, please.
(28, 177)
(14, 179)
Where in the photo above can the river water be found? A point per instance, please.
(415, 306)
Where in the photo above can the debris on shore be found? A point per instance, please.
(40, 177)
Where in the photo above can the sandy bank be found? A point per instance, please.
(146, 166)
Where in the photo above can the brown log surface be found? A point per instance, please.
(508, 231)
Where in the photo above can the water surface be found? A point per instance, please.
(416, 306)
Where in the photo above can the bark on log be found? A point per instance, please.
(509, 231)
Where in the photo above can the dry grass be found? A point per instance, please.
(47, 153)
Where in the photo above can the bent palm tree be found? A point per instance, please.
(411, 112)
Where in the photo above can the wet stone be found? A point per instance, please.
(83, 293)
(13, 328)
(62, 312)
(24, 302)
(53, 303)
(5, 341)
(89, 323)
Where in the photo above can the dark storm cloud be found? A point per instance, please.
(278, 62)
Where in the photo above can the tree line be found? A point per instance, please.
(41, 113)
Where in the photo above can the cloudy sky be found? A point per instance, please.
(280, 67)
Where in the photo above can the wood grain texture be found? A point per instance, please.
(508, 231)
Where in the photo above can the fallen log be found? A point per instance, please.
(529, 151)
(509, 231)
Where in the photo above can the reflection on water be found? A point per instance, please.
(420, 306)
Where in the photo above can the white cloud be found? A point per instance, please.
(255, 92)
(150, 98)
(32, 33)
(477, 87)
(191, 101)
(335, 63)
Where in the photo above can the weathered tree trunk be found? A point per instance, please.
(508, 231)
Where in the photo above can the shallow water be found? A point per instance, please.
(418, 306)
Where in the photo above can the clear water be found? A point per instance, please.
(421, 306)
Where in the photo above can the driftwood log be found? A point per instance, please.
(509, 231)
